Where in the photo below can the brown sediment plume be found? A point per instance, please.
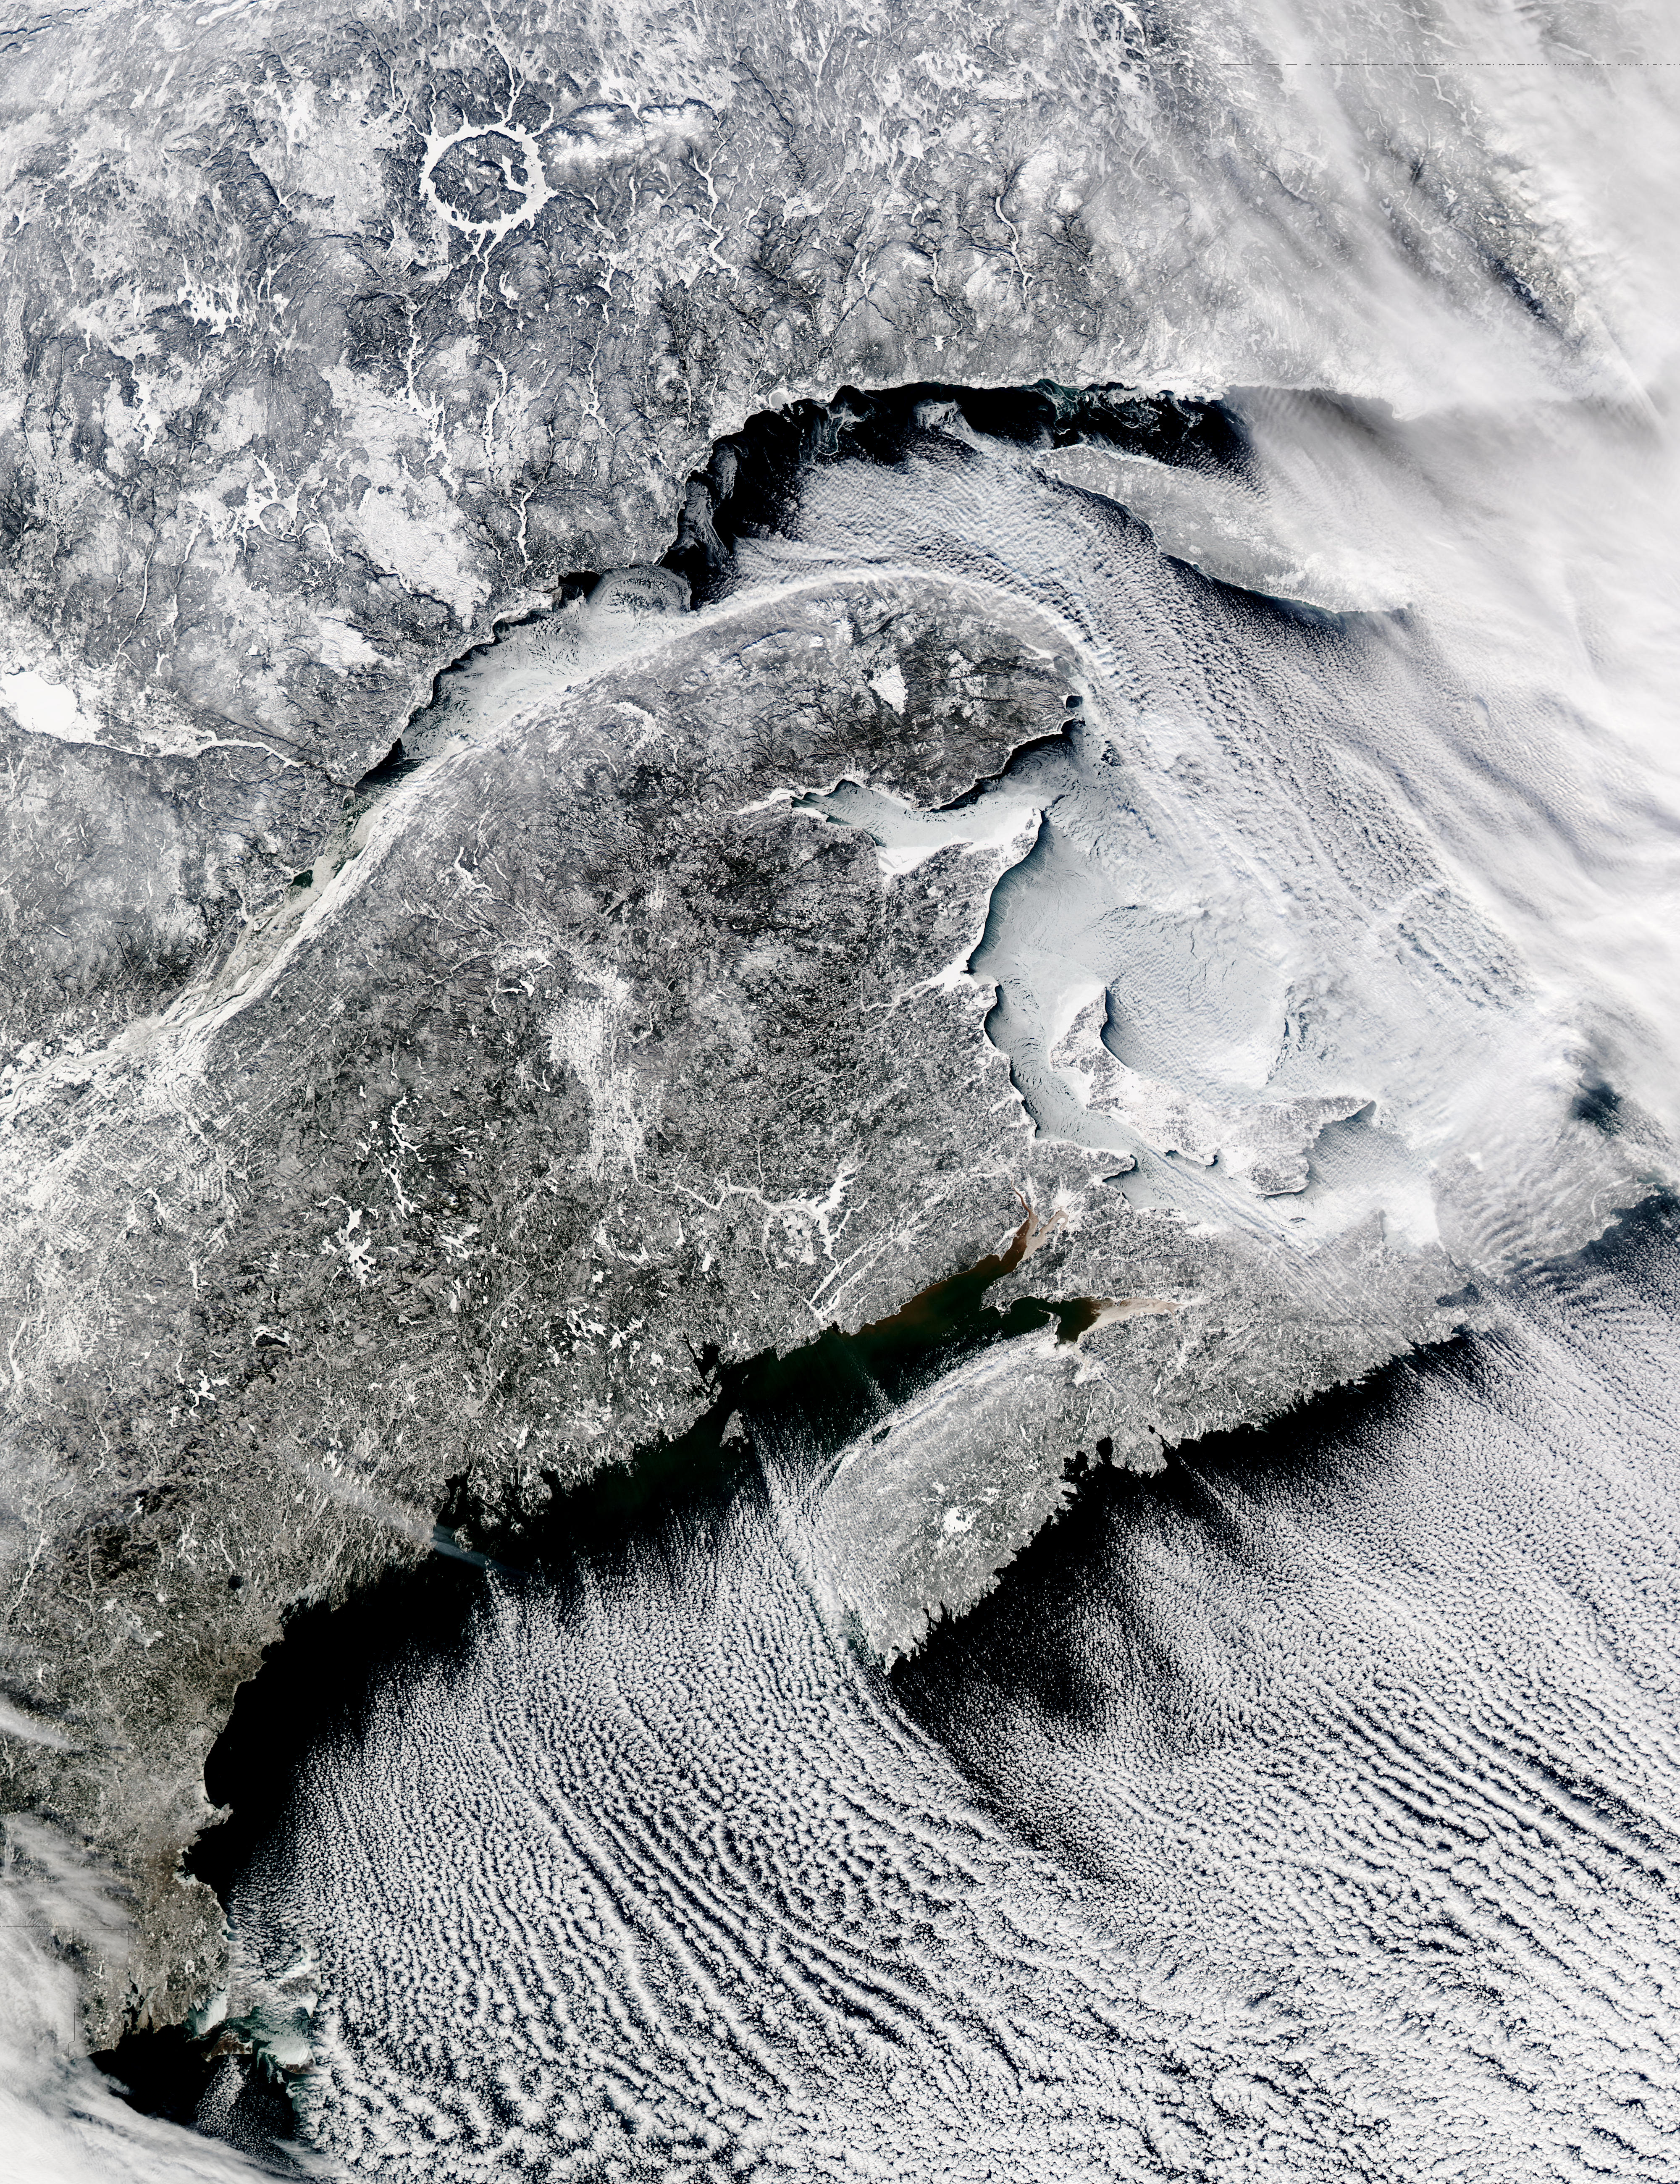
(939, 1301)
(1086, 1314)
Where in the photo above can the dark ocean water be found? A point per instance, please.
(1311, 1810)
(1308, 1811)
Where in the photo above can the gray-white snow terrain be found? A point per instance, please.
(690, 691)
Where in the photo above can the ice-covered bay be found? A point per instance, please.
(1282, 1821)
(1396, 877)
